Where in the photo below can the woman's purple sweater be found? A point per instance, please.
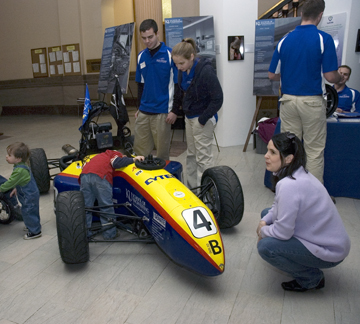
(303, 209)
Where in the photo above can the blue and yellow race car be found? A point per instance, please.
(151, 205)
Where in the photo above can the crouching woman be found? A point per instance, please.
(302, 232)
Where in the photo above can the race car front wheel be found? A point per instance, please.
(71, 227)
(40, 170)
(222, 193)
(7, 212)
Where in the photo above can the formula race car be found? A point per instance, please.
(151, 203)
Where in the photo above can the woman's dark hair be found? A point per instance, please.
(287, 143)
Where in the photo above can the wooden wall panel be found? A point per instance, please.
(147, 9)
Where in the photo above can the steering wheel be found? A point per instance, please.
(150, 163)
(332, 99)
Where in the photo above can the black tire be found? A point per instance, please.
(332, 100)
(7, 211)
(225, 196)
(40, 170)
(71, 227)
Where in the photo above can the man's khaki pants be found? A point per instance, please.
(305, 116)
(150, 131)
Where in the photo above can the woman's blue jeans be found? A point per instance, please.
(292, 257)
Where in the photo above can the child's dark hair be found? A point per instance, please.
(19, 150)
(148, 24)
(287, 143)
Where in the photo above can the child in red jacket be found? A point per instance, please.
(96, 182)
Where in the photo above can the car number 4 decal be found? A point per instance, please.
(199, 222)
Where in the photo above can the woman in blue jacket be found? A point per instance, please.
(199, 91)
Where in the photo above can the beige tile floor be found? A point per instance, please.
(134, 283)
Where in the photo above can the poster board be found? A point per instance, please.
(39, 62)
(201, 29)
(115, 58)
(71, 59)
(268, 32)
(56, 67)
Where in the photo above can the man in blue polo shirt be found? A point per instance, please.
(301, 59)
(349, 99)
(155, 74)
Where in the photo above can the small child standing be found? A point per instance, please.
(96, 182)
(23, 183)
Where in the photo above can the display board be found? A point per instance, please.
(115, 59)
(39, 62)
(71, 59)
(201, 29)
(56, 67)
(268, 33)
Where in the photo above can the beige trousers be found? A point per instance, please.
(199, 150)
(305, 116)
(150, 131)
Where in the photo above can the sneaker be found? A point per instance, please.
(25, 229)
(30, 236)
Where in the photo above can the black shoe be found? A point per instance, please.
(294, 286)
(30, 236)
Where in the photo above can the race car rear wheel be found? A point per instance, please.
(71, 227)
(224, 195)
(40, 170)
(332, 100)
(7, 211)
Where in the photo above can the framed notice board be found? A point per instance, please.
(39, 62)
(71, 59)
(56, 67)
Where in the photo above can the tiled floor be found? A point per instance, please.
(134, 283)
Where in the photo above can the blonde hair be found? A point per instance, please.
(185, 48)
(19, 150)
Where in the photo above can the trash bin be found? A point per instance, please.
(259, 144)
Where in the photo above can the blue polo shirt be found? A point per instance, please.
(349, 100)
(301, 57)
(158, 74)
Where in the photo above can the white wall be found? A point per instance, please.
(236, 78)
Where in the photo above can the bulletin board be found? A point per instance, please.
(39, 62)
(56, 67)
(71, 59)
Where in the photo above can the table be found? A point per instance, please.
(341, 158)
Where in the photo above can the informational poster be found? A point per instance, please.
(55, 61)
(335, 26)
(39, 62)
(201, 29)
(71, 59)
(115, 59)
(268, 33)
